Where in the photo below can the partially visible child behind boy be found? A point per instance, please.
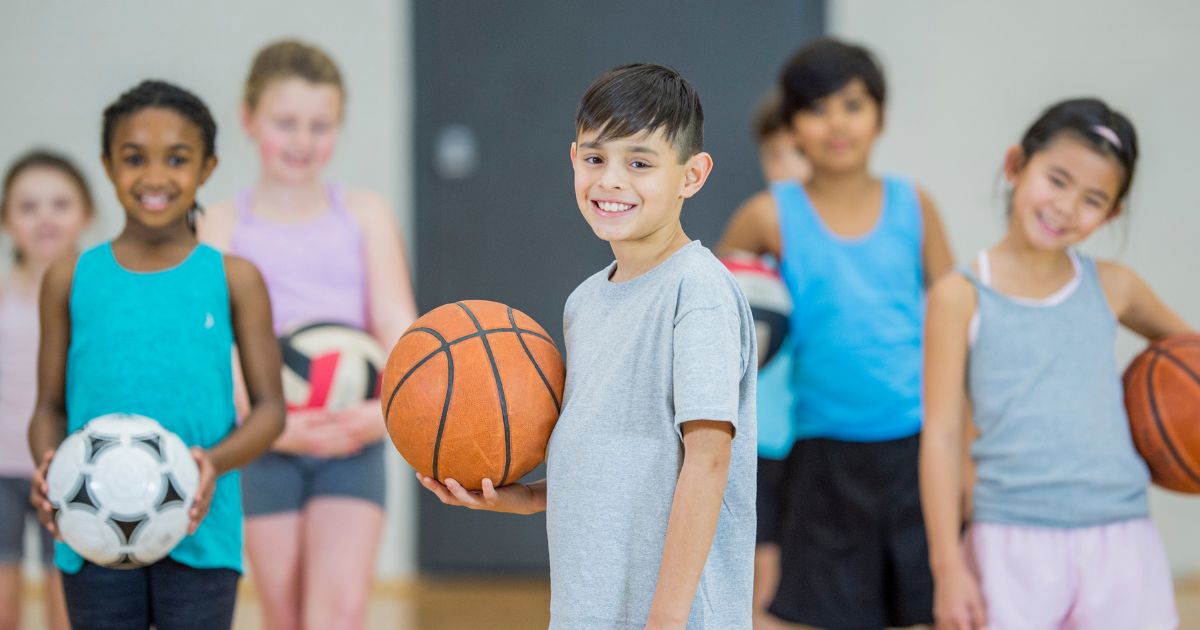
(649, 494)
(857, 252)
(781, 161)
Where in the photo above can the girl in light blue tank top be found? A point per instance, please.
(858, 305)
(1059, 533)
(146, 324)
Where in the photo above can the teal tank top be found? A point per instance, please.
(857, 316)
(159, 344)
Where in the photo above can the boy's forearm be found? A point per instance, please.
(690, 532)
(537, 496)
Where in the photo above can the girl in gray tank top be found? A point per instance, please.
(1059, 533)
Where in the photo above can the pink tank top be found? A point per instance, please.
(315, 271)
(18, 381)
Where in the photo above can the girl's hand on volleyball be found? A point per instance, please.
(314, 432)
(325, 436)
(38, 495)
(362, 422)
(204, 489)
(514, 498)
(957, 602)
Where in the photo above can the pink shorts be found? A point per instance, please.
(1106, 577)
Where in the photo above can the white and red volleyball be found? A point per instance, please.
(769, 300)
(328, 365)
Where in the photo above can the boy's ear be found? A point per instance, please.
(574, 149)
(1014, 161)
(695, 173)
(107, 165)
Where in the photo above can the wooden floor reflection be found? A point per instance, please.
(484, 604)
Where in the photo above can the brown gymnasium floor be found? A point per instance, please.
(486, 604)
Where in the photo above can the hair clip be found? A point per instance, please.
(1107, 134)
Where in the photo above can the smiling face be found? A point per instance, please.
(1062, 193)
(45, 214)
(295, 124)
(837, 132)
(631, 189)
(156, 162)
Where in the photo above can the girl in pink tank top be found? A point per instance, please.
(314, 505)
(45, 208)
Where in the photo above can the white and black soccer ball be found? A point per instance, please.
(122, 487)
(769, 300)
(330, 366)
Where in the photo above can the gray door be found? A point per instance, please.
(497, 87)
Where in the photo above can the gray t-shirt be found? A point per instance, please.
(643, 357)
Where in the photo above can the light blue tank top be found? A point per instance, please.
(1054, 448)
(159, 344)
(859, 305)
(776, 433)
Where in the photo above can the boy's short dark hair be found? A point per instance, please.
(768, 116)
(643, 98)
(825, 66)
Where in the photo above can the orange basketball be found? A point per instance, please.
(1162, 394)
(472, 390)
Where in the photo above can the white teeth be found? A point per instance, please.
(1049, 223)
(611, 206)
(154, 201)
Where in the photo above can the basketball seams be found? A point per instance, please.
(1162, 429)
(446, 345)
(528, 353)
(486, 331)
(499, 390)
(387, 412)
(437, 443)
(1165, 352)
(500, 351)
(443, 348)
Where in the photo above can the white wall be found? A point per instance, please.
(62, 62)
(967, 79)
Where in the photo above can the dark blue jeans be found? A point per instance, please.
(167, 594)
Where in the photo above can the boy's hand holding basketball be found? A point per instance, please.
(516, 498)
(37, 494)
(204, 488)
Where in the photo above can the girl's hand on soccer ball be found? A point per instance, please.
(38, 492)
(204, 489)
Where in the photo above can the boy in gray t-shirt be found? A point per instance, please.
(649, 494)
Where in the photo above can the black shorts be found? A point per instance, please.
(853, 553)
(767, 499)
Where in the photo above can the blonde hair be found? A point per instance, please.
(286, 59)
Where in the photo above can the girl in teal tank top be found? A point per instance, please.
(1059, 535)
(146, 324)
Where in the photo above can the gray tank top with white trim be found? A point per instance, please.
(1054, 448)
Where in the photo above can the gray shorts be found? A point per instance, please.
(281, 482)
(15, 511)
